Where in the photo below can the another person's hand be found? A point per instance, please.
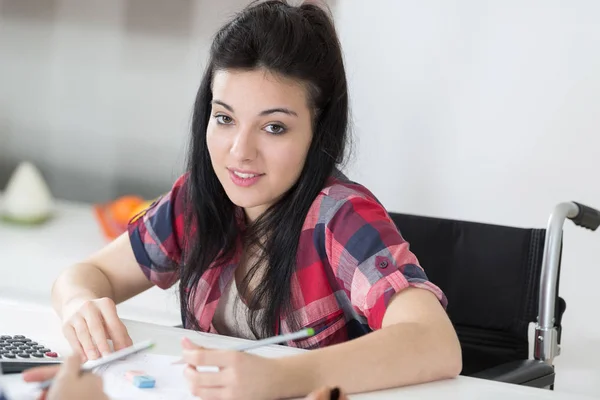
(68, 383)
(327, 394)
(88, 325)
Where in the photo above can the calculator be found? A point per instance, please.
(18, 353)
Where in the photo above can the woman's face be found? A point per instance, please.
(258, 136)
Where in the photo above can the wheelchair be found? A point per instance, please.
(498, 280)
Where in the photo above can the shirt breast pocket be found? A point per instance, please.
(328, 331)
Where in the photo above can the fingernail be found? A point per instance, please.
(335, 394)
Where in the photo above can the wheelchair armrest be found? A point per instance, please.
(534, 373)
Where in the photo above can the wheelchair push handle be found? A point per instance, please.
(546, 332)
(587, 217)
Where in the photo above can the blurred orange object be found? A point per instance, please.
(114, 216)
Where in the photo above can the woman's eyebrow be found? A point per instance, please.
(278, 110)
(222, 103)
(283, 110)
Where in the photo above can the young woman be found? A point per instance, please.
(265, 236)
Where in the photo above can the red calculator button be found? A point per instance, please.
(51, 354)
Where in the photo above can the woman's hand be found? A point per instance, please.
(241, 375)
(89, 324)
(68, 383)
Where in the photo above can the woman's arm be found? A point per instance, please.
(416, 344)
(112, 272)
(85, 297)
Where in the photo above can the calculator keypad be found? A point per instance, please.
(19, 346)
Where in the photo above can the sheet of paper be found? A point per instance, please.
(170, 383)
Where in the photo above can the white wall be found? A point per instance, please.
(487, 111)
(98, 93)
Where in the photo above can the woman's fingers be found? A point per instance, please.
(71, 336)
(96, 328)
(89, 329)
(115, 327)
(84, 337)
(117, 332)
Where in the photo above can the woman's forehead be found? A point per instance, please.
(258, 89)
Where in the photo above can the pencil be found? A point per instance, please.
(269, 341)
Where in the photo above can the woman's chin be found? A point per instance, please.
(248, 203)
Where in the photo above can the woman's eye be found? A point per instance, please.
(224, 119)
(275, 129)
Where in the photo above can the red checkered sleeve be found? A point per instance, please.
(156, 236)
(370, 259)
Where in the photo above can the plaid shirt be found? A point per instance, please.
(351, 260)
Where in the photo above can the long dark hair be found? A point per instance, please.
(299, 43)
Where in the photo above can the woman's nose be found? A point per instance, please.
(244, 147)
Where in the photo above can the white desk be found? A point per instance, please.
(40, 323)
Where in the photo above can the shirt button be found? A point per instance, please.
(383, 264)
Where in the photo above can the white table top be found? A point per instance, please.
(41, 324)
